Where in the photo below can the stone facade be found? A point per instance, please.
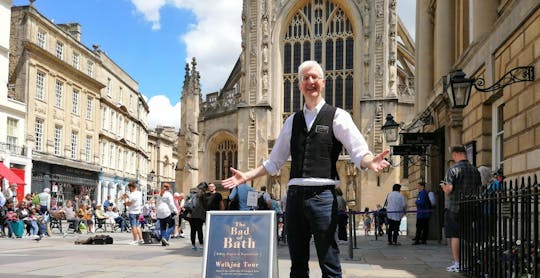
(501, 125)
(14, 150)
(368, 73)
(56, 95)
(123, 135)
(85, 119)
(163, 160)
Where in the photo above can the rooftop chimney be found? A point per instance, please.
(74, 29)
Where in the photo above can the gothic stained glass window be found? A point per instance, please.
(320, 31)
(226, 156)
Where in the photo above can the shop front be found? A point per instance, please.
(66, 183)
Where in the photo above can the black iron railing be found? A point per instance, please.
(500, 230)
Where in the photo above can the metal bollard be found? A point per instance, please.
(354, 230)
(351, 228)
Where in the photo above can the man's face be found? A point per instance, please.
(212, 187)
(311, 83)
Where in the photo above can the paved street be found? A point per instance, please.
(57, 256)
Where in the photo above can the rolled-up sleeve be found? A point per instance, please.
(281, 149)
(348, 134)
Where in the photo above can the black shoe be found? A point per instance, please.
(397, 243)
(164, 242)
(423, 242)
(416, 243)
(390, 243)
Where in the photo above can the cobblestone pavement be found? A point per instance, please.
(58, 256)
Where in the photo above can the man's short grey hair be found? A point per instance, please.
(310, 64)
(485, 174)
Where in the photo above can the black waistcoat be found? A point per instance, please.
(314, 153)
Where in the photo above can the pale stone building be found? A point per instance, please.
(14, 150)
(123, 135)
(368, 58)
(501, 129)
(86, 120)
(162, 147)
(54, 75)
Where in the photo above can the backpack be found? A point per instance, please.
(261, 202)
(191, 202)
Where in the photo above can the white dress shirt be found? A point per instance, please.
(345, 131)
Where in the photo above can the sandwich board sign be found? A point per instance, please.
(240, 244)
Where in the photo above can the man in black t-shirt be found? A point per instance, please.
(214, 199)
(462, 177)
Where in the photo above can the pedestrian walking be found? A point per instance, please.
(396, 206)
(342, 215)
(197, 216)
(166, 211)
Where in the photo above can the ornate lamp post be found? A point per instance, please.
(458, 87)
(390, 129)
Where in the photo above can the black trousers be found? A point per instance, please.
(196, 225)
(342, 225)
(393, 230)
(422, 229)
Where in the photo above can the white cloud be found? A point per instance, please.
(214, 39)
(150, 10)
(162, 112)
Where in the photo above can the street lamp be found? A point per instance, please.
(460, 86)
(151, 175)
(390, 129)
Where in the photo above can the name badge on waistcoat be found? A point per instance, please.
(321, 129)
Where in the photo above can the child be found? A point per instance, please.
(367, 222)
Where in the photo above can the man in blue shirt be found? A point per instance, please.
(423, 213)
(108, 203)
(242, 191)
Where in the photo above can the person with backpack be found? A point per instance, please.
(197, 216)
(264, 201)
(239, 196)
(423, 214)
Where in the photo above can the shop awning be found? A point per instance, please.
(9, 175)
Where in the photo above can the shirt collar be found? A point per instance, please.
(316, 109)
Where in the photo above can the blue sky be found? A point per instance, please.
(153, 39)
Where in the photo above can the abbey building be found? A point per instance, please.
(368, 58)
